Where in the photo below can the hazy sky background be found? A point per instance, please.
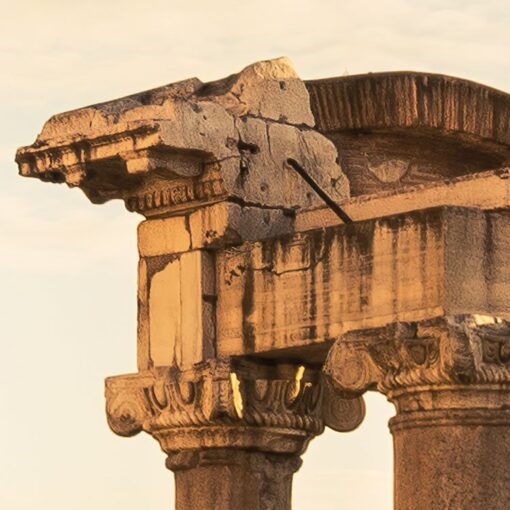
(68, 269)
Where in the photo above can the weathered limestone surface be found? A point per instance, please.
(192, 143)
(210, 227)
(310, 288)
(233, 429)
(176, 303)
(297, 294)
(449, 379)
(483, 190)
(398, 129)
(246, 279)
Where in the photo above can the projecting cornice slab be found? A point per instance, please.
(191, 143)
(409, 99)
(405, 128)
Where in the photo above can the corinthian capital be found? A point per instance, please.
(455, 350)
(226, 402)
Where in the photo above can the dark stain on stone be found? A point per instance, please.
(435, 219)
(394, 270)
(423, 259)
(489, 249)
(312, 311)
(157, 264)
(269, 253)
(247, 304)
(394, 223)
(364, 242)
(315, 248)
(271, 292)
(326, 279)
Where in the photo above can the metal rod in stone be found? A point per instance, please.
(322, 194)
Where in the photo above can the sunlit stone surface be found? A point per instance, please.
(263, 318)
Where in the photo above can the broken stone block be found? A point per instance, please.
(269, 89)
(191, 143)
(226, 223)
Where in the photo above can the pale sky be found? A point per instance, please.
(68, 269)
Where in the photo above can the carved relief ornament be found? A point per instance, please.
(229, 403)
(457, 350)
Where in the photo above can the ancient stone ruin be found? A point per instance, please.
(306, 242)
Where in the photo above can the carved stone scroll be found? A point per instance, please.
(456, 350)
(227, 402)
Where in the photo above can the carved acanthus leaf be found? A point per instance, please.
(229, 396)
(220, 392)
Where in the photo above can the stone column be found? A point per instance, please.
(226, 478)
(233, 430)
(449, 380)
(207, 165)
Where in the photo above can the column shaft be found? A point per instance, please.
(228, 479)
(452, 459)
(449, 380)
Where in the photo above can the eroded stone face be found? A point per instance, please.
(240, 300)
(193, 143)
(297, 293)
(399, 129)
(448, 378)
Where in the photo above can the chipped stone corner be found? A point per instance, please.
(190, 144)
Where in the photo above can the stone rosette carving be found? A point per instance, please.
(229, 402)
(457, 351)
